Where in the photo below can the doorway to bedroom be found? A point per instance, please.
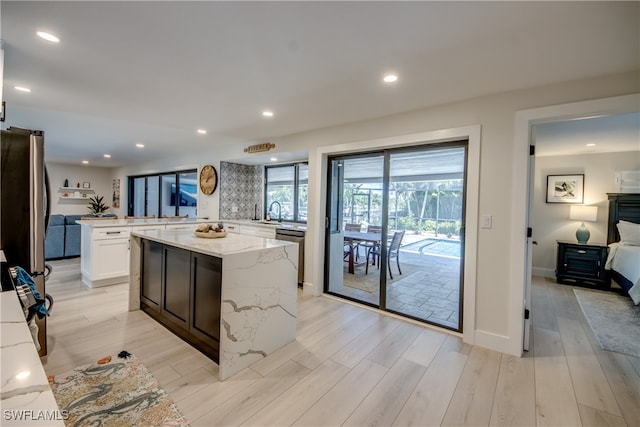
(570, 140)
(395, 237)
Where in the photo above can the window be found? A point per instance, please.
(286, 192)
(164, 194)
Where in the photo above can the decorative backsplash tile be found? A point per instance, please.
(240, 187)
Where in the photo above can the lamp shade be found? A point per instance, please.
(583, 213)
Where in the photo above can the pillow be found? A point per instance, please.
(629, 233)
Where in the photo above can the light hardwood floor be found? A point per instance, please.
(354, 366)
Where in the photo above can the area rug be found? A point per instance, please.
(121, 392)
(371, 282)
(614, 320)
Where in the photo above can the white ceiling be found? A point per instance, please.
(589, 135)
(154, 72)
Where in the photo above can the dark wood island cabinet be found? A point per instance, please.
(181, 289)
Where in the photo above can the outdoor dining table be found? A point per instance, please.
(352, 237)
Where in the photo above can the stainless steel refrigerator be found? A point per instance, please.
(24, 207)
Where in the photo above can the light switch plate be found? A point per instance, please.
(486, 221)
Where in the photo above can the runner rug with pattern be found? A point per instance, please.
(118, 392)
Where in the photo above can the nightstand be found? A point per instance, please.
(582, 264)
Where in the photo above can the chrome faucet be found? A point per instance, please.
(279, 209)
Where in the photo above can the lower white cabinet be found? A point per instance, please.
(259, 231)
(105, 255)
(112, 258)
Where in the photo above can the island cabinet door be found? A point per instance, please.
(206, 294)
(175, 300)
(151, 289)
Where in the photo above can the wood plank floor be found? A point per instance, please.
(353, 366)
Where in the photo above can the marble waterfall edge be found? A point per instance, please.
(259, 306)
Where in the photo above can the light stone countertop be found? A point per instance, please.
(266, 224)
(26, 393)
(100, 223)
(232, 244)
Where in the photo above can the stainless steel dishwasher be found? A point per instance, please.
(294, 236)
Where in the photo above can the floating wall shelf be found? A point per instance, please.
(70, 193)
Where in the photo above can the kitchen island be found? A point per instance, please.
(233, 298)
(104, 246)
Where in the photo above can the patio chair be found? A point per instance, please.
(393, 251)
(369, 246)
(355, 246)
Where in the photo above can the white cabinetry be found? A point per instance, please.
(267, 231)
(105, 256)
(231, 227)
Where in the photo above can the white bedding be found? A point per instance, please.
(625, 260)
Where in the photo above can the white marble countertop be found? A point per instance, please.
(230, 245)
(26, 396)
(99, 223)
(267, 224)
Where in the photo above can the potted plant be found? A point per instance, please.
(96, 206)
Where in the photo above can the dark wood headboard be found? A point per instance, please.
(625, 206)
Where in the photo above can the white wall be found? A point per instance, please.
(99, 179)
(551, 220)
(496, 116)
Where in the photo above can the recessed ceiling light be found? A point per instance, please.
(390, 78)
(139, 145)
(85, 162)
(274, 159)
(267, 113)
(48, 36)
(22, 89)
(107, 156)
(202, 131)
(591, 145)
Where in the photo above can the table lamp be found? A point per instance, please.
(583, 213)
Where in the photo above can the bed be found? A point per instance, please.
(624, 252)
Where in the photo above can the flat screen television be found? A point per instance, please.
(188, 195)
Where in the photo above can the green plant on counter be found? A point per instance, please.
(96, 206)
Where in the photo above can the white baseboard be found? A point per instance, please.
(309, 289)
(501, 343)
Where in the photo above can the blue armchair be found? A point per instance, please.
(54, 242)
(72, 236)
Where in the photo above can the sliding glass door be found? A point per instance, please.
(395, 237)
(355, 205)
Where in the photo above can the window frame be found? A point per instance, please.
(296, 185)
(158, 175)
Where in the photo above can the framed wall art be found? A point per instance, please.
(565, 188)
(116, 192)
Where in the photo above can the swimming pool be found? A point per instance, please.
(432, 246)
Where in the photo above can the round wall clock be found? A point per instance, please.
(208, 179)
